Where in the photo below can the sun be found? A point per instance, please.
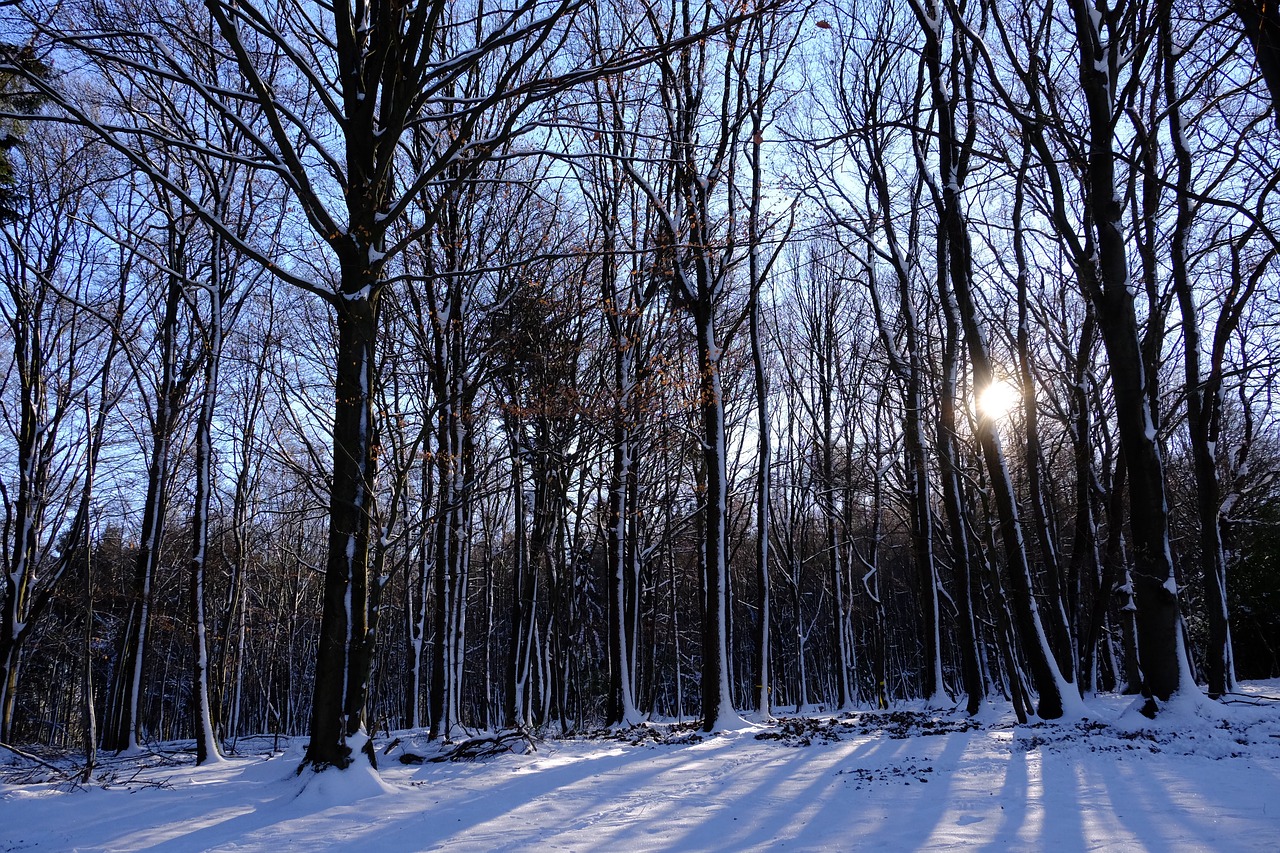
(998, 400)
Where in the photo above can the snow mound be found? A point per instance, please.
(332, 787)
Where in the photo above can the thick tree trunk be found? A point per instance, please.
(338, 699)
(1261, 21)
(1160, 650)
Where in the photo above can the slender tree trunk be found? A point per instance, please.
(1048, 679)
(621, 639)
(1086, 557)
(523, 599)
(1006, 624)
(1060, 637)
(420, 597)
(88, 718)
(1110, 568)
(201, 711)
(962, 547)
(717, 702)
(763, 678)
(124, 727)
(452, 546)
(762, 47)
(875, 591)
(230, 661)
(27, 518)
(1203, 393)
(835, 570)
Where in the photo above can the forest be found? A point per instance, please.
(551, 365)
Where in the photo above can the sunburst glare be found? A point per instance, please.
(998, 400)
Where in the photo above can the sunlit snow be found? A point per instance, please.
(1202, 777)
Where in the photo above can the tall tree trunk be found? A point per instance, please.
(88, 718)
(1203, 393)
(953, 153)
(1060, 636)
(1104, 273)
(523, 599)
(827, 500)
(621, 708)
(344, 654)
(1086, 556)
(124, 726)
(963, 557)
(1110, 570)
(419, 597)
(201, 710)
(764, 480)
(717, 702)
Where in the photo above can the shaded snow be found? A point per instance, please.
(1201, 777)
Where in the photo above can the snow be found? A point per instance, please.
(1202, 776)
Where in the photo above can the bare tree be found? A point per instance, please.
(697, 251)
(58, 317)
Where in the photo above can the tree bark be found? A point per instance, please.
(201, 710)
(1261, 22)
(717, 702)
(343, 656)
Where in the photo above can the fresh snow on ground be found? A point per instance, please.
(1201, 777)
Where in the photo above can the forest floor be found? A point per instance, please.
(1202, 777)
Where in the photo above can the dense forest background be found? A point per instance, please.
(551, 363)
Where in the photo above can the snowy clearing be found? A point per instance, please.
(1203, 777)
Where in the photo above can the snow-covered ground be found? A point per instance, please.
(1204, 777)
